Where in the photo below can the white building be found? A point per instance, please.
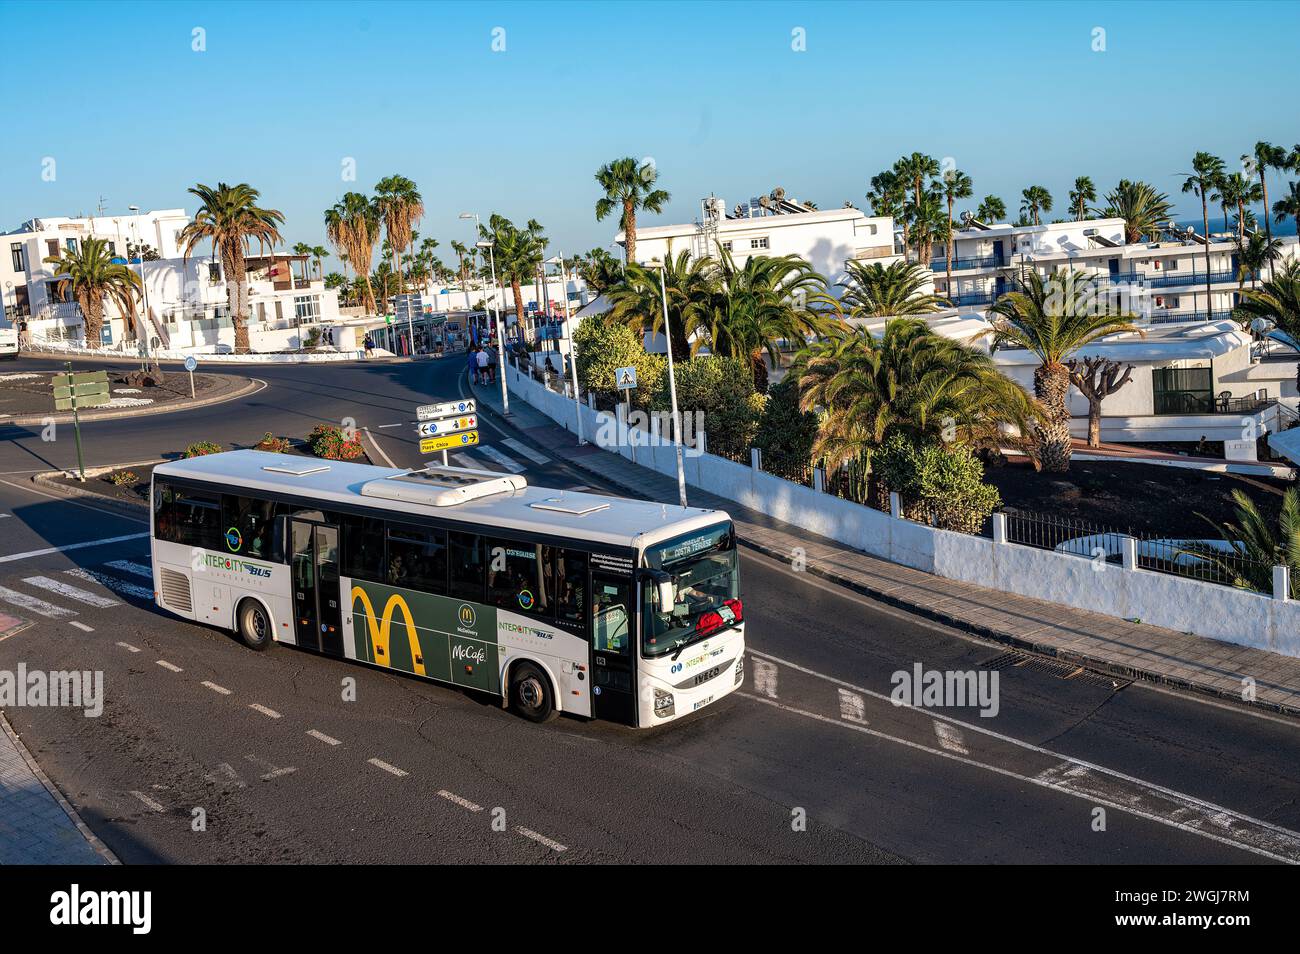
(774, 225)
(187, 299)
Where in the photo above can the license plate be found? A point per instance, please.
(702, 703)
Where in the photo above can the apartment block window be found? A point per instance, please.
(306, 308)
(1171, 265)
(1182, 390)
(52, 247)
(19, 259)
(758, 243)
(71, 245)
(727, 246)
(214, 272)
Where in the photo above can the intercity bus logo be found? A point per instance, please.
(466, 615)
(234, 539)
(219, 562)
(377, 629)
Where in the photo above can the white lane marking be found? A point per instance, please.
(522, 448)
(1273, 835)
(153, 805)
(10, 558)
(123, 587)
(541, 839)
(139, 569)
(168, 666)
(225, 776)
(129, 648)
(764, 677)
(81, 626)
(256, 707)
(462, 802)
(380, 763)
(322, 737)
(950, 738)
(34, 605)
(278, 773)
(215, 688)
(379, 450)
(70, 591)
(464, 460)
(494, 455)
(853, 707)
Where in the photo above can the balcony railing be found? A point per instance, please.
(973, 298)
(1170, 280)
(988, 261)
(1187, 317)
(1199, 402)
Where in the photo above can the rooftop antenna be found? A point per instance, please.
(101, 207)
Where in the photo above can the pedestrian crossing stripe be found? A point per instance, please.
(122, 587)
(70, 591)
(494, 455)
(34, 605)
(535, 456)
(139, 569)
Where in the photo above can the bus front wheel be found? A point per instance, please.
(255, 626)
(530, 693)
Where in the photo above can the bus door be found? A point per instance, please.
(317, 603)
(613, 648)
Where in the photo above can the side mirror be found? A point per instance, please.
(665, 592)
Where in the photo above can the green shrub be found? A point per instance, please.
(273, 444)
(943, 483)
(786, 434)
(331, 443)
(602, 347)
(124, 478)
(201, 449)
(723, 389)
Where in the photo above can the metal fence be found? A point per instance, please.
(1210, 561)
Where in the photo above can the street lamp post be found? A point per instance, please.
(672, 384)
(144, 289)
(477, 230)
(568, 333)
(501, 328)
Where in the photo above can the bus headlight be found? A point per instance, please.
(740, 669)
(663, 703)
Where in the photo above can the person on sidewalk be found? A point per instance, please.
(472, 360)
(482, 358)
(492, 366)
(369, 345)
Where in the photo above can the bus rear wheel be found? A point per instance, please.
(255, 626)
(530, 693)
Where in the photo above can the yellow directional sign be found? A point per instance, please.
(431, 445)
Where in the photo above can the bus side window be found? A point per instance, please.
(611, 601)
(198, 519)
(571, 585)
(250, 527)
(363, 548)
(417, 559)
(466, 561)
(519, 576)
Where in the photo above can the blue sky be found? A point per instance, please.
(283, 93)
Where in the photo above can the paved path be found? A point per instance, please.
(1116, 646)
(37, 825)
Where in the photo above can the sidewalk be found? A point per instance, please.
(37, 825)
(1103, 643)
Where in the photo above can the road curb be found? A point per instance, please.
(47, 481)
(250, 385)
(1093, 663)
(92, 839)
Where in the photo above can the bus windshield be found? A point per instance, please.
(706, 589)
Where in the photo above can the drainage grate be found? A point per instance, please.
(1055, 667)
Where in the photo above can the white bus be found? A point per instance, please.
(557, 601)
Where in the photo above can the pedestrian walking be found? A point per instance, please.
(483, 371)
(492, 366)
(369, 345)
(473, 364)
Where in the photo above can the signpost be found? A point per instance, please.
(75, 391)
(191, 363)
(446, 425)
(625, 378)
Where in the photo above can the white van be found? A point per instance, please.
(8, 342)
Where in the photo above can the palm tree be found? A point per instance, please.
(1264, 157)
(873, 290)
(231, 219)
(1035, 199)
(1144, 210)
(1236, 190)
(1289, 205)
(89, 276)
(1277, 301)
(956, 185)
(991, 210)
(1253, 256)
(929, 224)
(690, 284)
(1053, 319)
(1253, 547)
(401, 207)
(352, 227)
(600, 270)
(629, 187)
(1083, 193)
(517, 253)
(912, 172)
(1207, 169)
(318, 253)
(910, 381)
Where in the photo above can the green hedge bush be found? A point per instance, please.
(943, 483)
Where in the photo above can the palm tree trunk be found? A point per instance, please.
(1205, 219)
(1052, 388)
(92, 316)
(629, 231)
(948, 248)
(235, 298)
(519, 307)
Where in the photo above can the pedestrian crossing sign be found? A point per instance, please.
(625, 378)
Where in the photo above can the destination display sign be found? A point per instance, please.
(431, 445)
(429, 412)
(447, 425)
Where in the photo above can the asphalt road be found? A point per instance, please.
(284, 769)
